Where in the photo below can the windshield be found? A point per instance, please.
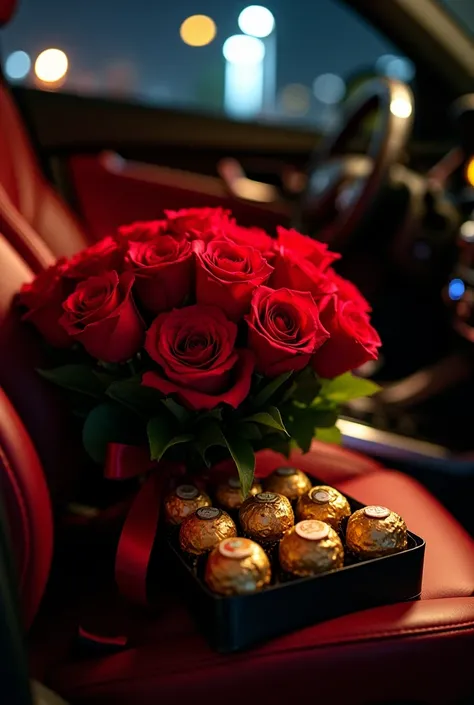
(463, 11)
(285, 61)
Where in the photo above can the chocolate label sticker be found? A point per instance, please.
(235, 548)
(266, 497)
(376, 512)
(285, 472)
(187, 492)
(234, 482)
(312, 529)
(320, 496)
(208, 512)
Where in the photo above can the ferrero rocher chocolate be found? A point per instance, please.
(290, 482)
(375, 531)
(229, 494)
(237, 566)
(266, 517)
(204, 529)
(309, 548)
(183, 501)
(323, 503)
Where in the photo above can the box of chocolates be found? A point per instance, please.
(293, 553)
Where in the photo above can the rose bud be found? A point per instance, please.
(227, 275)
(164, 271)
(301, 264)
(44, 297)
(353, 341)
(195, 349)
(101, 314)
(104, 256)
(284, 330)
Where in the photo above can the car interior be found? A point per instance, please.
(388, 182)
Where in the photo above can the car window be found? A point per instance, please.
(289, 61)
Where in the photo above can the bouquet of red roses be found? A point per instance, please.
(203, 338)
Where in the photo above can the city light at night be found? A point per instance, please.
(198, 30)
(17, 65)
(244, 76)
(257, 21)
(51, 65)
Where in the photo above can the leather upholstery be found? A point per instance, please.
(38, 404)
(32, 217)
(381, 655)
(7, 9)
(28, 508)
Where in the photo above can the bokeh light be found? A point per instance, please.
(400, 107)
(51, 65)
(256, 21)
(243, 50)
(295, 99)
(397, 67)
(198, 30)
(17, 65)
(329, 88)
(456, 289)
(470, 171)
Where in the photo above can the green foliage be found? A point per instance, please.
(271, 417)
(329, 435)
(143, 401)
(77, 378)
(161, 437)
(264, 395)
(347, 387)
(108, 423)
(244, 458)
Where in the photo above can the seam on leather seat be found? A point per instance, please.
(22, 511)
(465, 627)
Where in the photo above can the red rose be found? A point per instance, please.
(101, 314)
(306, 247)
(303, 266)
(227, 274)
(141, 231)
(102, 256)
(353, 341)
(348, 291)
(164, 271)
(253, 237)
(284, 330)
(43, 297)
(194, 347)
(197, 222)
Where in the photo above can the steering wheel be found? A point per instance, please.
(343, 187)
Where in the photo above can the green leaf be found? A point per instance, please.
(346, 387)
(76, 378)
(250, 431)
(139, 399)
(304, 423)
(209, 436)
(107, 423)
(271, 417)
(161, 437)
(178, 411)
(329, 435)
(308, 386)
(265, 394)
(244, 459)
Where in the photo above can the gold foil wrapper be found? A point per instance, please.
(229, 494)
(266, 517)
(375, 531)
(237, 566)
(323, 503)
(204, 529)
(311, 547)
(182, 502)
(290, 482)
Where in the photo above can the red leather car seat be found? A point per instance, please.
(28, 507)
(32, 216)
(39, 406)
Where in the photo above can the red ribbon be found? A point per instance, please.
(139, 530)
